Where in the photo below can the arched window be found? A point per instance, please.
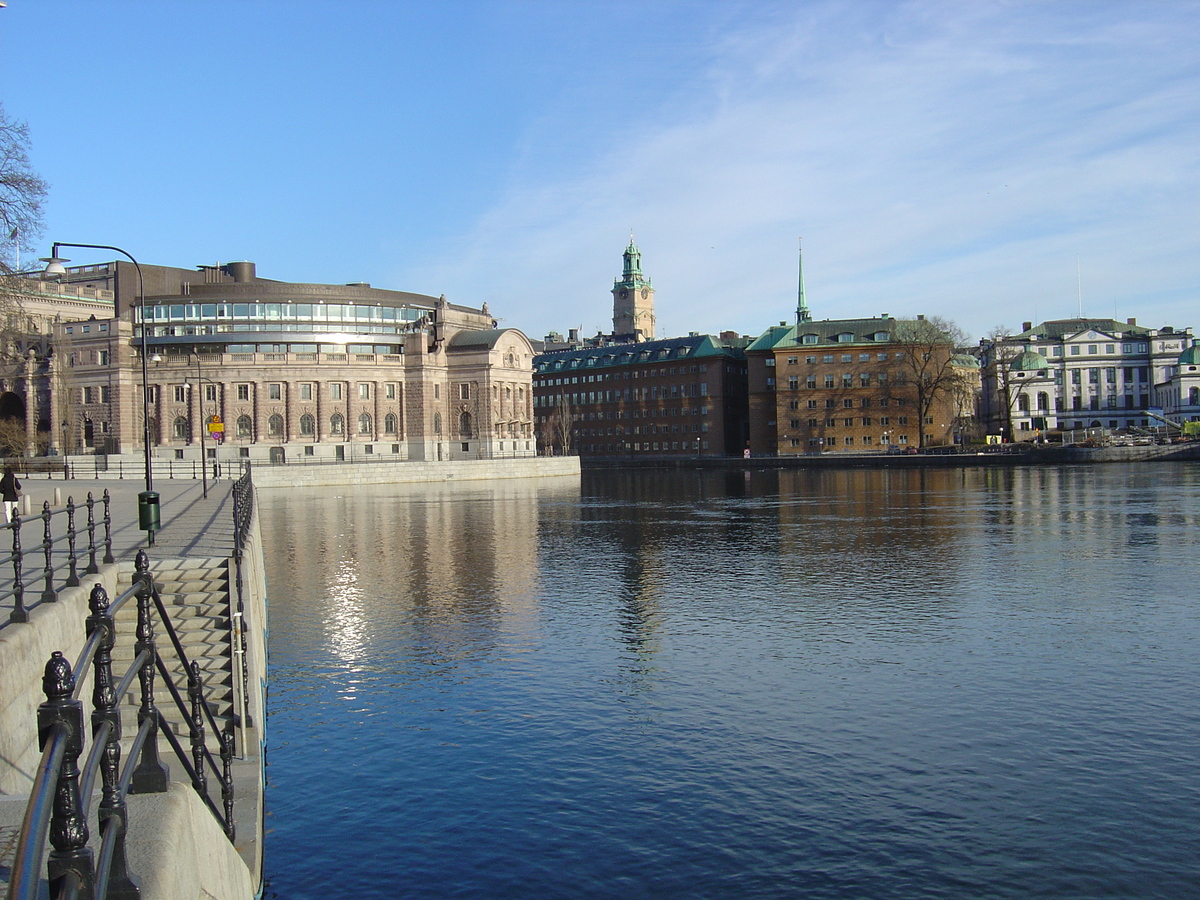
(1023, 402)
(275, 425)
(245, 427)
(337, 425)
(437, 423)
(181, 428)
(464, 425)
(389, 423)
(1043, 400)
(308, 425)
(364, 423)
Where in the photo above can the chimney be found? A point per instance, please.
(1131, 321)
(573, 335)
(920, 318)
(242, 272)
(1026, 326)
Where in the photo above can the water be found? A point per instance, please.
(835, 684)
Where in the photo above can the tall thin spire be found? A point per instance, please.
(802, 313)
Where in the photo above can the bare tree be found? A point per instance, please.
(998, 353)
(928, 365)
(557, 430)
(21, 194)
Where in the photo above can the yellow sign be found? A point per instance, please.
(216, 427)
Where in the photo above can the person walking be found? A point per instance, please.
(10, 491)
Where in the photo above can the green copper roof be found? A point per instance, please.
(1059, 328)
(1190, 356)
(694, 346)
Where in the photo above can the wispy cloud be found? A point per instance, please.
(937, 157)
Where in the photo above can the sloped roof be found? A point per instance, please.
(1057, 329)
(695, 346)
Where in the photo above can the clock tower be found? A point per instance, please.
(633, 299)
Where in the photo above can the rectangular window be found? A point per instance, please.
(866, 421)
(811, 382)
(793, 382)
(793, 423)
(847, 380)
(87, 395)
(1076, 376)
(1110, 375)
(811, 360)
(848, 441)
(1093, 376)
(180, 393)
(793, 404)
(364, 390)
(812, 423)
(902, 420)
(391, 391)
(793, 360)
(883, 420)
(274, 391)
(335, 390)
(306, 391)
(864, 379)
(243, 392)
(830, 403)
(102, 357)
(770, 363)
(812, 404)
(104, 397)
(210, 392)
(1074, 349)
(848, 403)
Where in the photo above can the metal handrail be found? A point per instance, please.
(58, 801)
(49, 545)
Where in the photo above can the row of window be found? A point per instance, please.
(865, 441)
(305, 390)
(646, 429)
(1094, 349)
(844, 357)
(302, 312)
(645, 446)
(847, 381)
(851, 403)
(625, 374)
(244, 425)
(866, 421)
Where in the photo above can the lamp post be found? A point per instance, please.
(148, 507)
(203, 425)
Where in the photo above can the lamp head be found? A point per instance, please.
(54, 266)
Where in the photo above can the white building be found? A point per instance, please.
(1085, 373)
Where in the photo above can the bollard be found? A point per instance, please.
(57, 497)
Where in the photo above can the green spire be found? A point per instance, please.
(802, 313)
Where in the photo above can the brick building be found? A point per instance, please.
(852, 385)
(673, 398)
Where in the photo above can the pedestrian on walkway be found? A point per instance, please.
(10, 491)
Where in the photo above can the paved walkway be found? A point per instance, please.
(192, 525)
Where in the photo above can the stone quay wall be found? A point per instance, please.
(333, 474)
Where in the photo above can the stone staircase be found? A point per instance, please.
(195, 592)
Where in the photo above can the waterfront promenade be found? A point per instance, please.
(192, 525)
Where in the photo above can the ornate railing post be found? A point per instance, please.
(105, 708)
(19, 612)
(108, 554)
(49, 595)
(68, 823)
(196, 696)
(92, 568)
(73, 577)
(227, 781)
(150, 776)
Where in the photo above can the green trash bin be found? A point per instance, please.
(148, 511)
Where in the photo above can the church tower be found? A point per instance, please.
(633, 299)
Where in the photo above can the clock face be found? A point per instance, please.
(624, 293)
(645, 293)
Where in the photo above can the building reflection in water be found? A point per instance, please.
(443, 568)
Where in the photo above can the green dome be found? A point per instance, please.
(1190, 356)
(1029, 361)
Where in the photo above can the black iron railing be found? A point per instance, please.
(46, 563)
(243, 514)
(58, 801)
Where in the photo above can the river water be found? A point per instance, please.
(817, 684)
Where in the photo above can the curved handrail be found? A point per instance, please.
(27, 862)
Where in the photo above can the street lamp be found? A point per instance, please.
(148, 506)
(200, 380)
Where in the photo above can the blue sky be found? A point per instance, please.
(946, 158)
